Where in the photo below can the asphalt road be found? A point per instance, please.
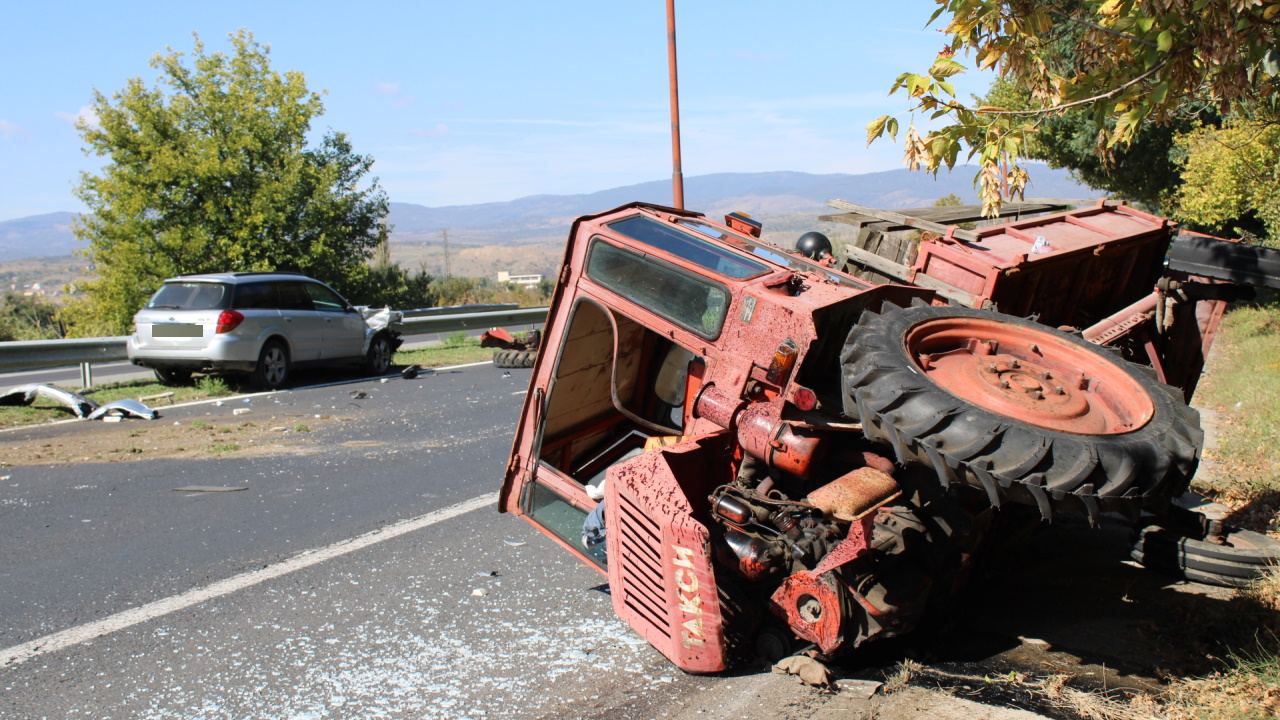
(393, 627)
(472, 616)
(121, 598)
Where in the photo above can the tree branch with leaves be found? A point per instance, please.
(1129, 62)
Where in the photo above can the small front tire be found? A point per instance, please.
(273, 366)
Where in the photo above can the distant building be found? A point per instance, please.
(530, 280)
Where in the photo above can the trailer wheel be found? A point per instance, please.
(1025, 412)
(514, 358)
(1244, 558)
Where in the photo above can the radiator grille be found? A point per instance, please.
(641, 565)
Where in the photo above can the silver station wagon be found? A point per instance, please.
(261, 323)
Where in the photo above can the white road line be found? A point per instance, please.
(159, 608)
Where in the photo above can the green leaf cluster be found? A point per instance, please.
(1230, 179)
(210, 170)
(1125, 64)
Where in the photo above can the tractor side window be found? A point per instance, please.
(602, 408)
(585, 431)
(695, 303)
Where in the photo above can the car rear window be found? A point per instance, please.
(192, 296)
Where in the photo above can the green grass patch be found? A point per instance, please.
(441, 356)
(1243, 385)
(44, 409)
(223, 447)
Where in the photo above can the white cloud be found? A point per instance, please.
(437, 131)
(86, 114)
(8, 130)
(389, 88)
(403, 101)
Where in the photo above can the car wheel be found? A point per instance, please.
(378, 359)
(173, 376)
(273, 366)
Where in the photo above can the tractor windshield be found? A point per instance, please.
(689, 247)
(694, 302)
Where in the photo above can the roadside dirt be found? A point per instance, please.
(209, 431)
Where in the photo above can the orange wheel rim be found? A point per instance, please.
(1029, 375)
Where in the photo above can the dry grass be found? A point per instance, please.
(1250, 686)
(900, 678)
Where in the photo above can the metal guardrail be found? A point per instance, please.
(41, 354)
(459, 309)
(470, 321)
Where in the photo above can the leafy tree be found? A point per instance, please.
(209, 171)
(1146, 170)
(1230, 184)
(29, 318)
(1127, 62)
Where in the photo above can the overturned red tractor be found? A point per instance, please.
(761, 449)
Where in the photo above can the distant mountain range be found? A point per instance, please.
(37, 236)
(546, 218)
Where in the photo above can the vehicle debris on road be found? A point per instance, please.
(810, 671)
(82, 406)
(124, 408)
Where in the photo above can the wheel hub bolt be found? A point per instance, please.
(992, 368)
(1014, 363)
(1059, 391)
(1004, 384)
(1048, 375)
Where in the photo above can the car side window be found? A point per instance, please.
(294, 296)
(325, 299)
(256, 296)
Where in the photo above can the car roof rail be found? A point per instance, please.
(269, 272)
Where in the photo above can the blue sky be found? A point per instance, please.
(464, 103)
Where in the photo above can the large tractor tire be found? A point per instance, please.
(1025, 412)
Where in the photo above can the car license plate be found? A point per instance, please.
(177, 331)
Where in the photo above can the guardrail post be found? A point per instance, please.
(86, 375)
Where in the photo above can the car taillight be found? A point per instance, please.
(228, 320)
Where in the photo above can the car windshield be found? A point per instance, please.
(192, 296)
